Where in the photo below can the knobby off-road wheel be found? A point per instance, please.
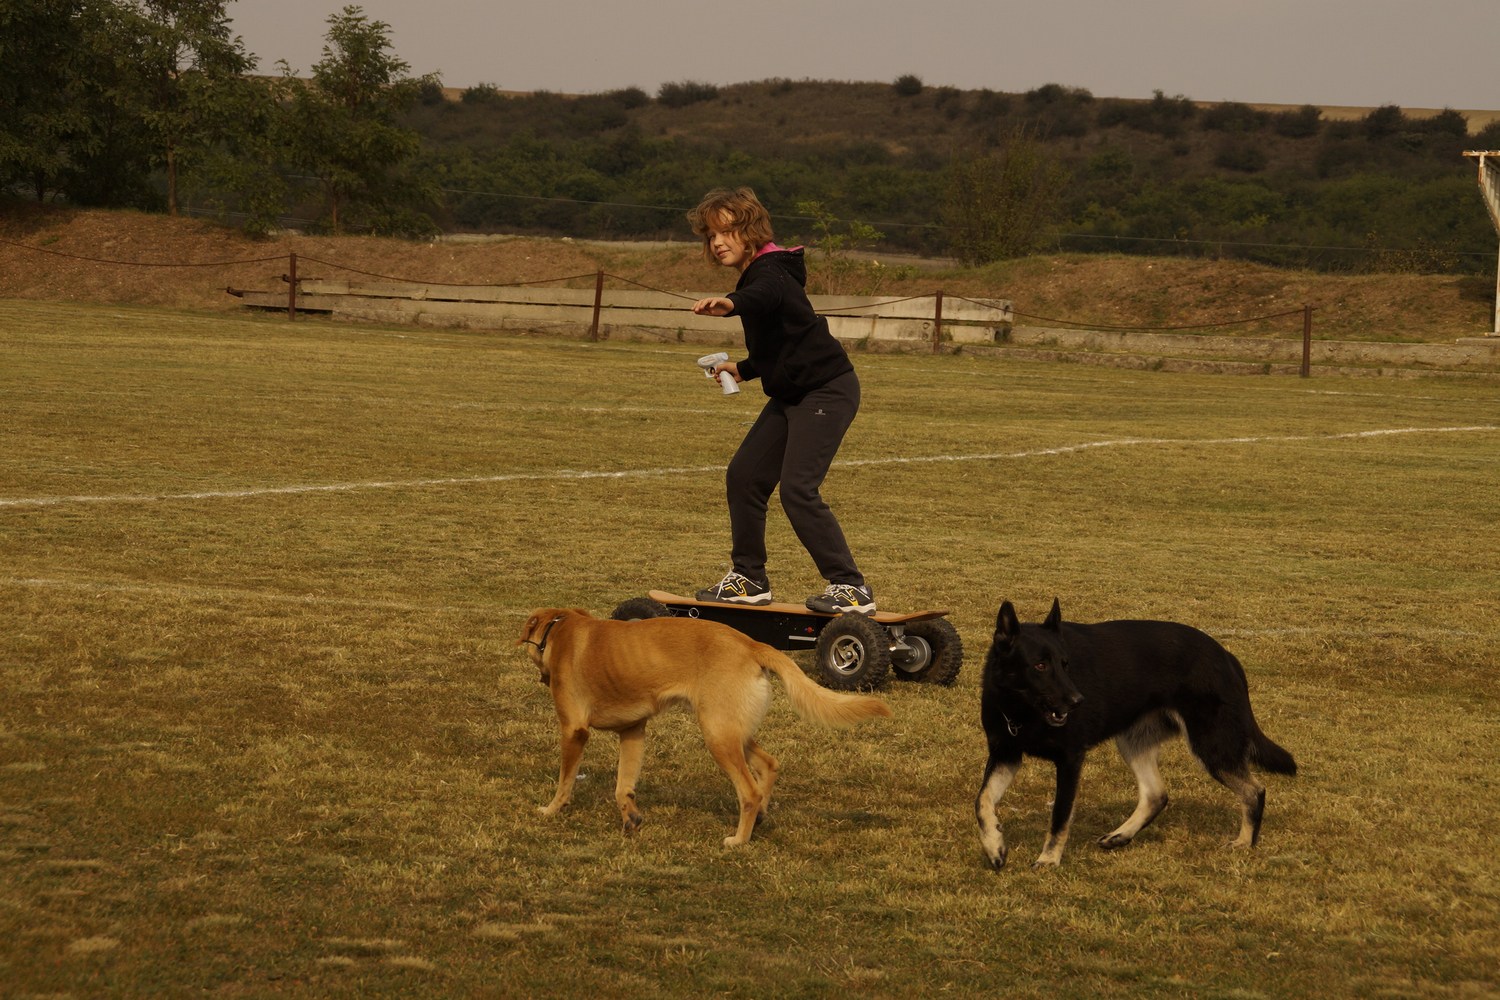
(639, 607)
(933, 654)
(853, 653)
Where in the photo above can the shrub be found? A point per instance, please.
(630, 98)
(1232, 116)
(1164, 116)
(1488, 137)
(680, 95)
(1446, 122)
(1303, 123)
(1386, 120)
(1110, 163)
(908, 85)
(1056, 93)
(996, 207)
(989, 105)
(481, 93)
(1246, 157)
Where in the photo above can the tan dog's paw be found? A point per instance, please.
(631, 822)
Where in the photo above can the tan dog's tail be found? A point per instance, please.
(816, 703)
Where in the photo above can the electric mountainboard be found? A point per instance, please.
(852, 651)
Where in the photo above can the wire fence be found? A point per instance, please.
(293, 282)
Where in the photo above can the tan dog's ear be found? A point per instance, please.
(529, 628)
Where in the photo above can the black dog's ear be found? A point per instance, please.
(1007, 626)
(1054, 617)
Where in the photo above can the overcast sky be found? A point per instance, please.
(1412, 53)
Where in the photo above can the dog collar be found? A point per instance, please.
(541, 647)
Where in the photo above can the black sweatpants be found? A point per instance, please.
(793, 446)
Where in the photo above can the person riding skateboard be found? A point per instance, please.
(813, 396)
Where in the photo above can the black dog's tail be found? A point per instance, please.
(1269, 756)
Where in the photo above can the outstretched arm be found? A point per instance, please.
(714, 306)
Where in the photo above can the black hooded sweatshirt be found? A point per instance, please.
(790, 348)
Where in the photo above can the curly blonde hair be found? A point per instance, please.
(735, 211)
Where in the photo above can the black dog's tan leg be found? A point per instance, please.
(632, 754)
(1252, 805)
(573, 740)
(729, 752)
(1068, 773)
(1142, 759)
(1229, 768)
(998, 775)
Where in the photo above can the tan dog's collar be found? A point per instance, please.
(541, 647)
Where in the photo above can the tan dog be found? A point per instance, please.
(616, 675)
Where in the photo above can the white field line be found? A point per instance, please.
(559, 475)
(240, 595)
(1135, 442)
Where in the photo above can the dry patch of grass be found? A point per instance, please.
(265, 729)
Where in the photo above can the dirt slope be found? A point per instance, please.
(115, 257)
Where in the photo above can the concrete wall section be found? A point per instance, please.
(658, 315)
(984, 326)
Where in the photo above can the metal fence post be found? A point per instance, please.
(937, 324)
(598, 299)
(291, 288)
(1306, 340)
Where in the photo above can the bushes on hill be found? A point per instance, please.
(680, 95)
(930, 168)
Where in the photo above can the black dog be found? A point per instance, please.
(1056, 689)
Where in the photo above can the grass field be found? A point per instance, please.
(265, 730)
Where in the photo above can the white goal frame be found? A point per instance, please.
(1489, 188)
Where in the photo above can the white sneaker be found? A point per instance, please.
(736, 588)
(841, 597)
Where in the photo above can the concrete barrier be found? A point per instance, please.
(1472, 354)
(983, 326)
(636, 314)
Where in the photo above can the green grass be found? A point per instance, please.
(265, 730)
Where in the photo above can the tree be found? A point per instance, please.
(342, 128)
(43, 123)
(841, 273)
(192, 70)
(94, 94)
(997, 204)
(242, 172)
(111, 163)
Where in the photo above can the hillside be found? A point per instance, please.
(64, 255)
(814, 99)
(1330, 189)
